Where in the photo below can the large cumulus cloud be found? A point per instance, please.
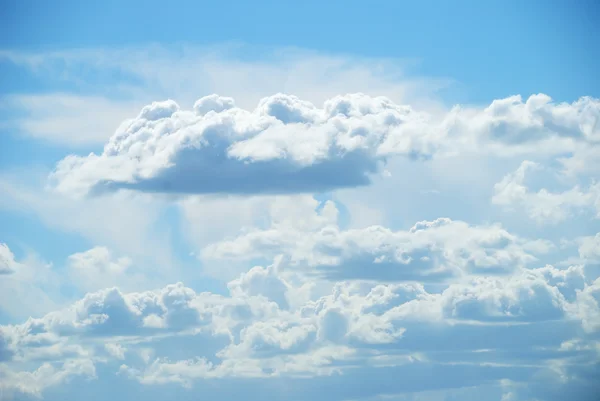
(288, 145)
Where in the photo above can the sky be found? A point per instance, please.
(287, 201)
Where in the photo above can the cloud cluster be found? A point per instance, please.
(264, 328)
(431, 251)
(287, 145)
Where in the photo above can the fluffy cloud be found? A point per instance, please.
(99, 268)
(99, 259)
(7, 260)
(110, 313)
(47, 375)
(123, 222)
(588, 306)
(288, 145)
(116, 350)
(589, 248)
(265, 336)
(430, 250)
(544, 206)
(261, 281)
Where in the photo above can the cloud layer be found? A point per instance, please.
(323, 245)
(259, 331)
(431, 251)
(438, 295)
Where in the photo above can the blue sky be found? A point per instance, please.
(522, 47)
(349, 201)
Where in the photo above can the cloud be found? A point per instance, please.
(7, 260)
(110, 313)
(33, 282)
(261, 281)
(376, 328)
(99, 268)
(588, 306)
(47, 375)
(517, 121)
(6, 353)
(288, 145)
(589, 248)
(116, 350)
(582, 161)
(185, 71)
(125, 223)
(68, 119)
(526, 297)
(98, 258)
(309, 237)
(543, 206)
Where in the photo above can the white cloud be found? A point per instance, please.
(116, 350)
(98, 268)
(309, 237)
(588, 306)
(261, 281)
(225, 215)
(98, 258)
(544, 206)
(589, 248)
(290, 145)
(47, 375)
(124, 222)
(69, 119)
(299, 146)
(527, 297)
(582, 161)
(188, 70)
(7, 260)
(33, 282)
(355, 324)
